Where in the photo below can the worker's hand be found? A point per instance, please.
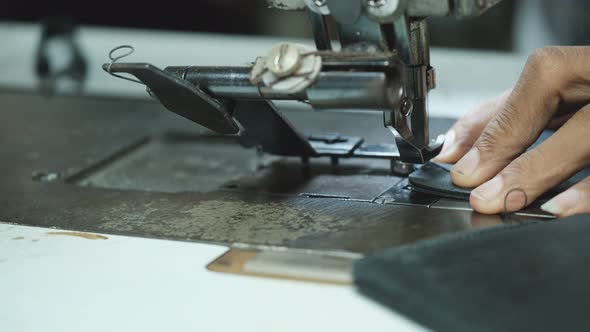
(489, 144)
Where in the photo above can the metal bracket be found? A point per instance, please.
(180, 96)
(254, 122)
(266, 127)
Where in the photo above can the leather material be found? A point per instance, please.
(532, 276)
(434, 178)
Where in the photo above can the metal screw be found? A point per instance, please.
(407, 107)
(284, 59)
(398, 167)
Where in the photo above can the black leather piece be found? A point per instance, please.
(523, 277)
(434, 178)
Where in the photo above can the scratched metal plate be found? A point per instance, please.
(128, 167)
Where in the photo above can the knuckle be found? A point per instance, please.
(513, 122)
(543, 56)
(532, 161)
(526, 171)
(486, 143)
(488, 146)
(536, 58)
(545, 63)
(519, 166)
(507, 116)
(496, 138)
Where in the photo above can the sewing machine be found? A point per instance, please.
(115, 164)
(381, 62)
(125, 166)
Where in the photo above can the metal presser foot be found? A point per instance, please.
(381, 64)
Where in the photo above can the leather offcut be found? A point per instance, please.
(531, 276)
(434, 178)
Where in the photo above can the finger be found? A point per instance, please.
(575, 200)
(559, 120)
(463, 134)
(537, 170)
(552, 77)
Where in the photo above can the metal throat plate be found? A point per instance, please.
(129, 167)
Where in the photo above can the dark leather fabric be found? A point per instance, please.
(434, 178)
(525, 277)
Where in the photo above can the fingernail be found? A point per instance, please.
(467, 165)
(489, 190)
(552, 208)
(562, 202)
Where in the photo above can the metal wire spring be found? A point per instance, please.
(114, 59)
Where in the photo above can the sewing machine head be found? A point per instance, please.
(380, 63)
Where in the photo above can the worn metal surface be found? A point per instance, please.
(175, 163)
(111, 166)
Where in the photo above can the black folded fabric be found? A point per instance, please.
(533, 276)
(434, 178)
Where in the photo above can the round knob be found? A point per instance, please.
(283, 60)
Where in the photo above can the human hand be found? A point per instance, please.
(489, 144)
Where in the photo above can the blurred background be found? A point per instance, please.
(513, 25)
(59, 47)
